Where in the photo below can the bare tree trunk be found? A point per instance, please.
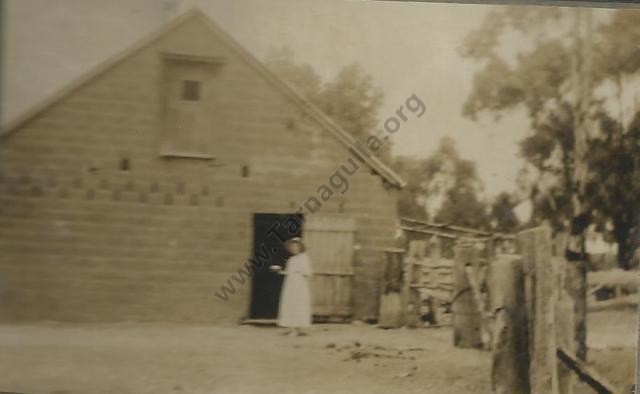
(621, 233)
(576, 252)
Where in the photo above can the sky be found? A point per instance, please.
(408, 48)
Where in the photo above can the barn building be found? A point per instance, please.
(140, 189)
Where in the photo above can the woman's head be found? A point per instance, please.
(295, 245)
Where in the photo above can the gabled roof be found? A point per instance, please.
(311, 110)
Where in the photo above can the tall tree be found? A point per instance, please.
(412, 198)
(462, 205)
(301, 76)
(444, 187)
(539, 80)
(614, 192)
(352, 99)
(503, 216)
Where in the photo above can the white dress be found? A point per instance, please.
(295, 299)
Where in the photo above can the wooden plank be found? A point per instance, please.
(330, 224)
(586, 373)
(332, 293)
(468, 230)
(332, 273)
(346, 293)
(434, 300)
(391, 313)
(331, 311)
(330, 248)
(428, 265)
(541, 296)
(451, 228)
(629, 301)
(565, 324)
(329, 243)
(467, 321)
(560, 244)
(510, 366)
(260, 322)
(317, 293)
(473, 277)
(430, 232)
(406, 293)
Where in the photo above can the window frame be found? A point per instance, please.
(191, 90)
(165, 150)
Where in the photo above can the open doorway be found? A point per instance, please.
(266, 284)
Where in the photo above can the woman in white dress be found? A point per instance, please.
(295, 299)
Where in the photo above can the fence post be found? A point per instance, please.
(467, 319)
(565, 325)
(391, 311)
(510, 367)
(476, 275)
(541, 292)
(435, 252)
(413, 277)
(565, 322)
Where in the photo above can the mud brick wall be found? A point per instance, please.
(95, 225)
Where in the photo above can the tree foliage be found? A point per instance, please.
(412, 199)
(444, 184)
(503, 217)
(456, 180)
(352, 99)
(614, 193)
(537, 80)
(301, 76)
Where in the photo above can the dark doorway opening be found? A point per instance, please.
(266, 284)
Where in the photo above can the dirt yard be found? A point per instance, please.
(160, 358)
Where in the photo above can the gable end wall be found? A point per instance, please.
(83, 240)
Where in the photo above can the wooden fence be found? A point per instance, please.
(419, 278)
(520, 304)
(533, 321)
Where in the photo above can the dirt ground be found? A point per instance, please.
(356, 358)
(612, 338)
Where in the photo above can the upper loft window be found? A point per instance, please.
(190, 108)
(191, 90)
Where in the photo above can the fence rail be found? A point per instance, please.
(513, 295)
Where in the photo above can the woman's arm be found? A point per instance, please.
(307, 271)
(278, 269)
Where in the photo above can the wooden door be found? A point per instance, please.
(329, 242)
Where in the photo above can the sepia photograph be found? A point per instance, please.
(319, 196)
